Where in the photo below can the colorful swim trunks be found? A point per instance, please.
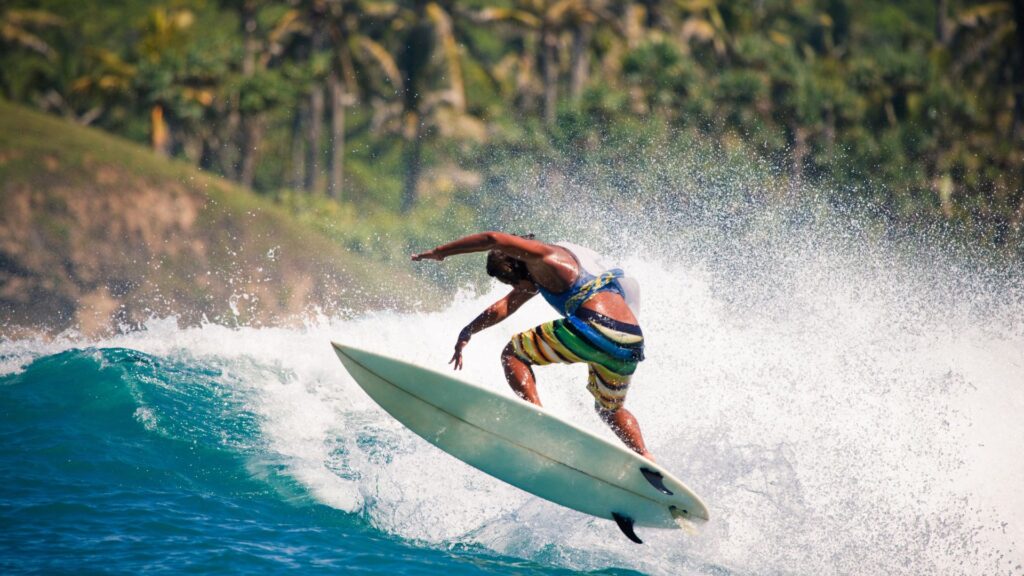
(611, 349)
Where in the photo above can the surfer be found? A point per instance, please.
(598, 325)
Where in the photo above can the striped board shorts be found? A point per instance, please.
(612, 353)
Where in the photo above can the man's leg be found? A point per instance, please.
(625, 426)
(519, 375)
(609, 390)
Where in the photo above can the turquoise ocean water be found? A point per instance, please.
(118, 461)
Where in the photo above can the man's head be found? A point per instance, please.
(506, 269)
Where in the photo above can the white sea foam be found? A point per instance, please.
(841, 411)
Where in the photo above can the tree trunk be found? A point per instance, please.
(1017, 127)
(942, 28)
(580, 60)
(525, 94)
(251, 129)
(450, 48)
(298, 147)
(655, 15)
(549, 53)
(250, 43)
(208, 154)
(160, 134)
(337, 158)
(253, 137)
(314, 154)
(413, 59)
(316, 122)
(413, 157)
(799, 156)
(228, 154)
(634, 22)
(830, 130)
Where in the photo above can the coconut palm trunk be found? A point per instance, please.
(160, 132)
(580, 60)
(298, 162)
(413, 160)
(314, 172)
(252, 139)
(413, 60)
(1017, 130)
(549, 62)
(251, 132)
(335, 185)
(313, 137)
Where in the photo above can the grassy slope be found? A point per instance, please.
(96, 230)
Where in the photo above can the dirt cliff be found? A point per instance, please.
(97, 233)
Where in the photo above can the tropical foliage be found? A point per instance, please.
(390, 105)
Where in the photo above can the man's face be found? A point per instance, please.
(506, 269)
(527, 285)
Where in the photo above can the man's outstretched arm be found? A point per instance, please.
(514, 246)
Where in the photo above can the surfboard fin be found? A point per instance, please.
(625, 524)
(656, 479)
(682, 520)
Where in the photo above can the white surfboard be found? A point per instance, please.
(522, 444)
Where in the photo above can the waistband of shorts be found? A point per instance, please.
(592, 317)
(618, 350)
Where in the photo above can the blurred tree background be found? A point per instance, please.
(353, 112)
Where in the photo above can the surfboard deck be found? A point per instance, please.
(525, 446)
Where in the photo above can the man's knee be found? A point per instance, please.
(606, 413)
(509, 352)
(509, 357)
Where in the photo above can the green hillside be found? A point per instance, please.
(97, 232)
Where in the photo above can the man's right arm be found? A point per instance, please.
(515, 246)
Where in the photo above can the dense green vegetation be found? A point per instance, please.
(352, 111)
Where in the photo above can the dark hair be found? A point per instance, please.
(506, 269)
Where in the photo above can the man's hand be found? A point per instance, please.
(459, 345)
(428, 255)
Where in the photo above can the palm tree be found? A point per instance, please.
(335, 40)
(986, 49)
(164, 32)
(516, 72)
(261, 49)
(1017, 50)
(703, 23)
(355, 53)
(18, 30)
(548, 26)
(427, 24)
(107, 79)
(319, 67)
(988, 40)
